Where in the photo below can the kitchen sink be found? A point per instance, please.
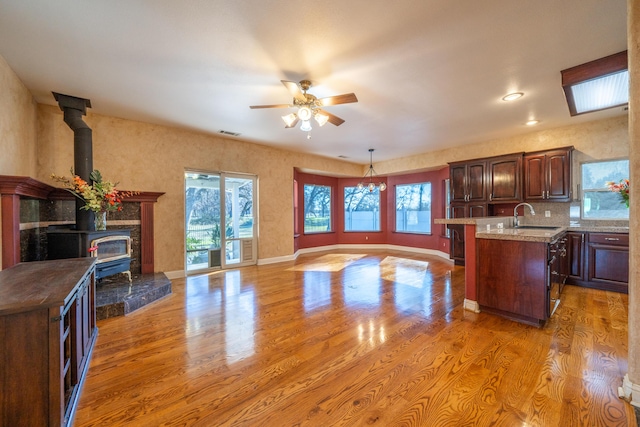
(535, 227)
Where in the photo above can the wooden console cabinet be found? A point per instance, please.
(599, 260)
(48, 330)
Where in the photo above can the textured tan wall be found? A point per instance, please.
(18, 154)
(633, 37)
(147, 157)
(602, 139)
(17, 125)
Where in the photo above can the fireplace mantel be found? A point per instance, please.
(12, 188)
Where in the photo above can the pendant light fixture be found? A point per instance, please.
(370, 173)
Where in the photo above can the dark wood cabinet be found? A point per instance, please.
(505, 178)
(468, 181)
(608, 261)
(547, 175)
(599, 260)
(456, 239)
(507, 285)
(575, 255)
(48, 330)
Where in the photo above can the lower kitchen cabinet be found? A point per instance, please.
(575, 253)
(510, 287)
(48, 330)
(521, 279)
(599, 260)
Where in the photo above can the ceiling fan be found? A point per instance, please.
(309, 106)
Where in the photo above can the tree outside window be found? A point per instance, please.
(361, 209)
(317, 208)
(413, 208)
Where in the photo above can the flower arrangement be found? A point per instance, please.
(101, 196)
(621, 187)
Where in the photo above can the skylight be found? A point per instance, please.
(597, 85)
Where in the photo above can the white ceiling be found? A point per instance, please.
(428, 74)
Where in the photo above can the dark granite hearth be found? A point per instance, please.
(116, 297)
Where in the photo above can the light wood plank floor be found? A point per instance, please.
(350, 339)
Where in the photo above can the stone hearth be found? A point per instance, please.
(116, 297)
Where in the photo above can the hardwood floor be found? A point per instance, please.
(349, 339)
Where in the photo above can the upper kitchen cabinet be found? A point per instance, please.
(468, 181)
(505, 178)
(547, 175)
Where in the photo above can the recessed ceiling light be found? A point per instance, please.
(512, 96)
(532, 122)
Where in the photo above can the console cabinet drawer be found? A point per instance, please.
(609, 238)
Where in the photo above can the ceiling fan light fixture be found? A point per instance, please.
(305, 126)
(289, 119)
(304, 113)
(322, 119)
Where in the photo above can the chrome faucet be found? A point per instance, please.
(515, 213)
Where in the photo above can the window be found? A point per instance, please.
(413, 208)
(317, 208)
(361, 209)
(598, 202)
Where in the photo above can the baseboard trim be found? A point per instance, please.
(471, 305)
(422, 251)
(177, 274)
(275, 260)
(630, 391)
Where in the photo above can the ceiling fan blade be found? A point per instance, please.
(334, 120)
(295, 90)
(293, 124)
(338, 99)
(271, 106)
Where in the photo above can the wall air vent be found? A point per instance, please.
(226, 132)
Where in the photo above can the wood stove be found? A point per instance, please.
(113, 248)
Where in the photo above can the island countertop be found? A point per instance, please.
(501, 228)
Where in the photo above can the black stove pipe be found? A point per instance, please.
(73, 109)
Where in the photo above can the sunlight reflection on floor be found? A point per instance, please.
(404, 271)
(329, 262)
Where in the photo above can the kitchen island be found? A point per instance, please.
(516, 272)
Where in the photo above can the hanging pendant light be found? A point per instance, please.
(371, 186)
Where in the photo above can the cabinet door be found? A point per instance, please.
(458, 210)
(477, 210)
(476, 182)
(575, 255)
(505, 184)
(456, 243)
(535, 185)
(547, 175)
(558, 165)
(458, 176)
(608, 260)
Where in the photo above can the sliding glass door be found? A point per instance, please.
(220, 231)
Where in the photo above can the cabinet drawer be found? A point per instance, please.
(609, 238)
